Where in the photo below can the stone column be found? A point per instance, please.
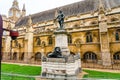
(25, 50)
(28, 46)
(8, 50)
(62, 41)
(104, 40)
(29, 41)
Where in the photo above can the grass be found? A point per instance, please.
(98, 74)
(36, 70)
(19, 69)
(6, 77)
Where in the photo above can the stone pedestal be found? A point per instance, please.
(65, 66)
(62, 41)
(62, 68)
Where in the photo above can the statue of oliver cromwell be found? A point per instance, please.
(60, 18)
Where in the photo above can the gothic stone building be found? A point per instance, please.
(93, 27)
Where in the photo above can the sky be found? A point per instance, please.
(33, 6)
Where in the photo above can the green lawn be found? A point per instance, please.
(18, 69)
(98, 74)
(36, 70)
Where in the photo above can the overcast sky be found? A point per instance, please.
(33, 6)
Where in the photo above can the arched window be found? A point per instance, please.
(22, 56)
(116, 56)
(14, 56)
(38, 41)
(50, 40)
(117, 35)
(38, 56)
(89, 37)
(90, 56)
(69, 39)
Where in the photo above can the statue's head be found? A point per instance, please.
(60, 11)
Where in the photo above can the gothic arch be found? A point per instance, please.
(89, 37)
(15, 56)
(22, 56)
(116, 56)
(38, 56)
(89, 56)
(117, 35)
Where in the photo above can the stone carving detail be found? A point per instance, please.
(38, 30)
(29, 27)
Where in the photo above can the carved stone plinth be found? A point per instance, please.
(60, 63)
(66, 67)
(62, 41)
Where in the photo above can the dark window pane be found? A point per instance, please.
(117, 36)
(116, 56)
(90, 56)
(89, 37)
(50, 40)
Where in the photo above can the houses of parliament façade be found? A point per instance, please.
(93, 28)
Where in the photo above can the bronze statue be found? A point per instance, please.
(60, 19)
(56, 53)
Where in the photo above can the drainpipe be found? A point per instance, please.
(1, 33)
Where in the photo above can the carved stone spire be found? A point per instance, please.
(101, 7)
(23, 9)
(29, 21)
(29, 24)
(15, 4)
